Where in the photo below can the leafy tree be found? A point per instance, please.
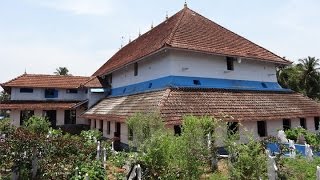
(63, 71)
(38, 125)
(4, 96)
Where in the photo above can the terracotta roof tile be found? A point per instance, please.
(93, 82)
(32, 105)
(173, 104)
(189, 30)
(47, 81)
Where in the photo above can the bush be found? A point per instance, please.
(6, 127)
(38, 125)
(91, 136)
(311, 138)
(93, 169)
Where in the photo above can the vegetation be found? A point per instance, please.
(63, 71)
(4, 96)
(303, 77)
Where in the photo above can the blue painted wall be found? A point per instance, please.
(195, 82)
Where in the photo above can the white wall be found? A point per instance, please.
(15, 117)
(39, 94)
(94, 98)
(183, 63)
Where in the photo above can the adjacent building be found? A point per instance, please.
(59, 98)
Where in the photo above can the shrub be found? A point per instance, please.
(91, 136)
(93, 169)
(311, 138)
(38, 125)
(6, 127)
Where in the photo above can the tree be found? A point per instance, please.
(310, 76)
(4, 96)
(63, 71)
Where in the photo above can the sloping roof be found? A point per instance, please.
(48, 81)
(93, 82)
(173, 104)
(33, 105)
(191, 31)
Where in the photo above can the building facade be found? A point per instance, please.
(189, 65)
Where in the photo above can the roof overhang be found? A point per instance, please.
(34, 105)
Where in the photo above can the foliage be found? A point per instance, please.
(93, 169)
(38, 125)
(298, 168)
(4, 96)
(143, 126)
(63, 71)
(91, 136)
(6, 127)
(303, 77)
(311, 138)
(247, 161)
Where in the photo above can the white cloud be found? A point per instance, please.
(79, 7)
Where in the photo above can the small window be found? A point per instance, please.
(72, 91)
(303, 123)
(109, 79)
(108, 127)
(262, 128)
(264, 85)
(26, 90)
(69, 117)
(286, 124)
(101, 126)
(136, 69)
(124, 90)
(130, 138)
(177, 130)
(150, 85)
(51, 93)
(233, 128)
(196, 82)
(316, 123)
(230, 61)
(86, 91)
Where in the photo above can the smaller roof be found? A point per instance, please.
(174, 103)
(51, 81)
(93, 82)
(42, 105)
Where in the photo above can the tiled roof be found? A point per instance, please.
(33, 105)
(190, 31)
(173, 104)
(49, 81)
(93, 82)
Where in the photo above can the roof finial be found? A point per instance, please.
(167, 16)
(129, 39)
(139, 32)
(25, 70)
(122, 37)
(152, 25)
(185, 4)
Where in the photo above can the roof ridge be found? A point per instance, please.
(22, 75)
(239, 35)
(53, 75)
(174, 30)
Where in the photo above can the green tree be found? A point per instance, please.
(4, 96)
(63, 71)
(310, 76)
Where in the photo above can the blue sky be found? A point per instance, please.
(40, 35)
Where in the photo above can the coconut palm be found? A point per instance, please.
(310, 76)
(63, 71)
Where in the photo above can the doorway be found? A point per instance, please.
(51, 115)
(118, 130)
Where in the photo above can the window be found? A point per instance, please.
(196, 82)
(233, 128)
(316, 123)
(69, 117)
(25, 115)
(286, 124)
(230, 61)
(72, 91)
(130, 134)
(303, 123)
(264, 85)
(177, 130)
(26, 90)
(109, 79)
(136, 69)
(101, 126)
(108, 127)
(51, 93)
(262, 128)
(86, 91)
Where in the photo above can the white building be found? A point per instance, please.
(191, 65)
(59, 98)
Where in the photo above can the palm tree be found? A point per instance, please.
(310, 77)
(63, 71)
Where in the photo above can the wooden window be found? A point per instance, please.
(230, 63)
(233, 128)
(177, 130)
(136, 69)
(286, 124)
(303, 123)
(72, 91)
(70, 117)
(108, 127)
(262, 128)
(26, 90)
(25, 115)
(316, 123)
